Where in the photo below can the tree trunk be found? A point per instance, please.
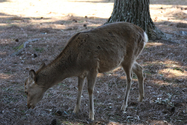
(136, 12)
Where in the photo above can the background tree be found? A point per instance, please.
(136, 12)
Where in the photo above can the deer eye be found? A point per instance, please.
(26, 93)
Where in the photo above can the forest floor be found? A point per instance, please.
(36, 31)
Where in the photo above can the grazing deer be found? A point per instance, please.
(88, 53)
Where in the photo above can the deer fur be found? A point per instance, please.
(88, 53)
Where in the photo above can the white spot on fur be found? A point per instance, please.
(145, 38)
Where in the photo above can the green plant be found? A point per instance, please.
(39, 49)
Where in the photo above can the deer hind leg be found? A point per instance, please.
(128, 70)
(80, 88)
(91, 84)
(138, 70)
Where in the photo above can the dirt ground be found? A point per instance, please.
(36, 31)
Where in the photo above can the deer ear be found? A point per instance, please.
(32, 74)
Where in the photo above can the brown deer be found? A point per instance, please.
(88, 53)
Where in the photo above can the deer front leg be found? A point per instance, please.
(91, 84)
(80, 88)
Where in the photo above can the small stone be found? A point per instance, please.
(53, 122)
(17, 40)
(34, 55)
(172, 109)
(85, 25)
(58, 113)
(75, 20)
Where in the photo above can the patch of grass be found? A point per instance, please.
(8, 89)
(39, 49)
(67, 123)
(179, 69)
(8, 100)
(81, 21)
(4, 88)
(62, 84)
(15, 48)
(18, 47)
(23, 111)
(49, 94)
(80, 124)
(147, 72)
(134, 76)
(8, 73)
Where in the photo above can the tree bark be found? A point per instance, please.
(136, 12)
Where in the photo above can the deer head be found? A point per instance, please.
(34, 88)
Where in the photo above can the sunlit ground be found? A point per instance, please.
(56, 8)
(91, 8)
(4, 76)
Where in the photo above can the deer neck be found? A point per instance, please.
(56, 71)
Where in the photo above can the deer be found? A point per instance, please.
(88, 53)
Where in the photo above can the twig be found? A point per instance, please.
(22, 46)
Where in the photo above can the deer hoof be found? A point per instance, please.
(140, 99)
